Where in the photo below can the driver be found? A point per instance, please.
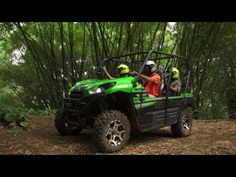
(151, 80)
(123, 70)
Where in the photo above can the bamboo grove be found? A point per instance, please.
(56, 54)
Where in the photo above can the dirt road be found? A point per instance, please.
(208, 137)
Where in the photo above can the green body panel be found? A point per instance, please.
(125, 84)
(138, 104)
(187, 95)
(149, 101)
(84, 83)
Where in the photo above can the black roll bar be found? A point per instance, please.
(166, 56)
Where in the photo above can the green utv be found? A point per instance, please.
(115, 108)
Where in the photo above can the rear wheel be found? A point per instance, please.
(111, 131)
(63, 127)
(183, 126)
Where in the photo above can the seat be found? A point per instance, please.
(162, 83)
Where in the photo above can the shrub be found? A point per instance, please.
(11, 117)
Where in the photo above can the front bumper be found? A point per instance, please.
(82, 104)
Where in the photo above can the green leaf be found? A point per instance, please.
(24, 124)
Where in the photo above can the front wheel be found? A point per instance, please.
(111, 131)
(63, 127)
(183, 126)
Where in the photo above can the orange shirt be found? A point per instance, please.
(154, 88)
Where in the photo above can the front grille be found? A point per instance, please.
(71, 104)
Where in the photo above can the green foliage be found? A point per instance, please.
(11, 117)
(13, 113)
(71, 49)
(40, 112)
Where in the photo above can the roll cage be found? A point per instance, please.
(172, 61)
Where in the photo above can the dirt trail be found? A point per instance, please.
(208, 137)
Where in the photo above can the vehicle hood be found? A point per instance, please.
(88, 84)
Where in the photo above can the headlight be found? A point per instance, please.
(102, 88)
(96, 90)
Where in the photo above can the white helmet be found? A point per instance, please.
(151, 65)
(150, 62)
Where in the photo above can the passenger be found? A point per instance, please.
(175, 84)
